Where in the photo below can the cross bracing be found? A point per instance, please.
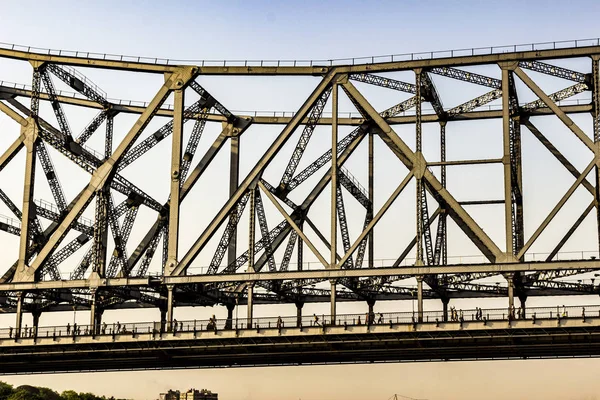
(269, 235)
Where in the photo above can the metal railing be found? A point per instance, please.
(452, 260)
(321, 320)
(53, 208)
(466, 52)
(15, 223)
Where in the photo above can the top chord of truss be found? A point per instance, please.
(303, 66)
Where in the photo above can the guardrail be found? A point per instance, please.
(452, 260)
(476, 51)
(321, 320)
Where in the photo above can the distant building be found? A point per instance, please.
(203, 394)
(191, 394)
(171, 395)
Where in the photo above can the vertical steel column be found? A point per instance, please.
(371, 200)
(101, 231)
(19, 322)
(511, 294)
(299, 306)
(93, 310)
(36, 321)
(300, 252)
(523, 300)
(419, 144)
(229, 322)
(234, 178)
(596, 117)
(175, 182)
(333, 301)
(252, 230)
(334, 174)
(442, 217)
(28, 210)
(370, 313)
(108, 141)
(445, 301)
(170, 307)
(506, 160)
(250, 302)
(163, 318)
(99, 313)
(420, 298)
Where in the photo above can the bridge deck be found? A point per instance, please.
(570, 336)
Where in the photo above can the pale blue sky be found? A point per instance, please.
(310, 30)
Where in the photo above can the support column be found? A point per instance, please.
(371, 242)
(234, 178)
(101, 232)
(19, 321)
(371, 313)
(523, 299)
(333, 301)
(419, 175)
(251, 230)
(30, 131)
(229, 322)
(300, 257)
(511, 294)
(506, 160)
(513, 203)
(445, 301)
(163, 318)
(28, 213)
(108, 140)
(36, 321)
(420, 298)
(596, 118)
(173, 235)
(170, 307)
(442, 217)
(334, 176)
(250, 306)
(93, 318)
(99, 314)
(299, 306)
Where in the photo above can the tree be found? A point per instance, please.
(69, 395)
(5, 390)
(24, 394)
(48, 394)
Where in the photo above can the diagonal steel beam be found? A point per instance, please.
(13, 114)
(106, 171)
(553, 70)
(571, 230)
(384, 82)
(410, 160)
(253, 175)
(11, 152)
(557, 154)
(295, 226)
(556, 209)
(376, 218)
(556, 109)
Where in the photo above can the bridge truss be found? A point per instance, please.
(249, 260)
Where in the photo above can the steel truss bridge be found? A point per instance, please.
(254, 265)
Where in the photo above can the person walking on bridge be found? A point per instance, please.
(317, 323)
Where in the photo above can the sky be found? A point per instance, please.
(233, 30)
